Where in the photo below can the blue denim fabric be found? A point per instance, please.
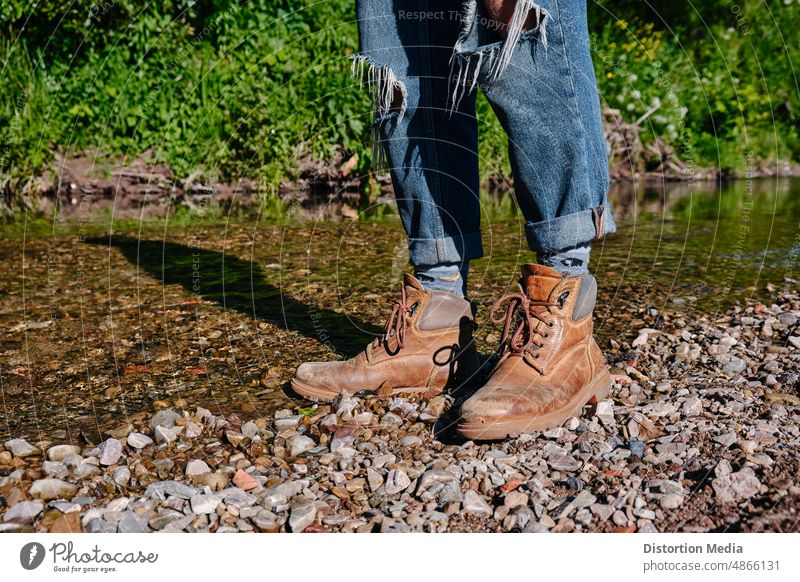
(425, 60)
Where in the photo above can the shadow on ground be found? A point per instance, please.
(238, 284)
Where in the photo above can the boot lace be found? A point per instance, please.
(529, 317)
(396, 324)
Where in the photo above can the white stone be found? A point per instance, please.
(53, 489)
(21, 448)
(23, 512)
(475, 504)
(138, 440)
(59, 452)
(110, 452)
(396, 481)
(205, 504)
(196, 467)
(300, 444)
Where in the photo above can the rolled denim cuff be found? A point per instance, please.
(567, 231)
(432, 251)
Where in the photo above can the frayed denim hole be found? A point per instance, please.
(468, 66)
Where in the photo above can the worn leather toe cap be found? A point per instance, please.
(315, 374)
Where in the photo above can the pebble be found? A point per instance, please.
(55, 469)
(138, 440)
(475, 504)
(214, 481)
(432, 477)
(547, 521)
(605, 412)
(733, 487)
(396, 481)
(515, 499)
(636, 448)
(265, 523)
(563, 462)
(119, 504)
(288, 422)
(748, 447)
(205, 504)
(164, 435)
(85, 470)
(619, 518)
(21, 448)
(391, 419)
(196, 467)
(244, 480)
(23, 512)
(374, 479)
(249, 429)
(164, 418)
(132, 523)
(303, 513)
(300, 444)
(584, 499)
(121, 476)
(692, 406)
(726, 439)
(192, 430)
(163, 489)
(410, 441)
(110, 451)
(601, 510)
(735, 366)
(666, 486)
(671, 501)
(53, 489)
(341, 443)
(59, 452)
(280, 493)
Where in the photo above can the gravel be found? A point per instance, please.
(699, 433)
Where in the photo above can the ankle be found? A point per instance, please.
(448, 277)
(572, 260)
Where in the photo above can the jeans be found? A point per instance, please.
(425, 61)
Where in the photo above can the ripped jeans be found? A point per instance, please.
(425, 61)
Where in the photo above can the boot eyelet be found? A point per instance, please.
(551, 325)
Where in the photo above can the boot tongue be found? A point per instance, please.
(411, 282)
(539, 281)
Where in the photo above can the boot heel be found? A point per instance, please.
(601, 388)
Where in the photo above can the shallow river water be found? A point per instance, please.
(95, 329)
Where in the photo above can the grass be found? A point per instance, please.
(226, 89)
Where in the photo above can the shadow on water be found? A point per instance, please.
(238, 284)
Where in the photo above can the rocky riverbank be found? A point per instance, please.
(700, 434)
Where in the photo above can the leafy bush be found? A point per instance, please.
(227, 87)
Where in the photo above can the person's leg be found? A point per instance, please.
(542, 86)
(427, 343)
(430, 151)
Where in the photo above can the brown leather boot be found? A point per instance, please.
(426, 346)
(549, 367)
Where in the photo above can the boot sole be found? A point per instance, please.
(316, 394)
(502, 428)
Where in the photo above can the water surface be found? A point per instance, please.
(96, 329)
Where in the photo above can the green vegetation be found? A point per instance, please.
(722, 74)
(226, 89)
